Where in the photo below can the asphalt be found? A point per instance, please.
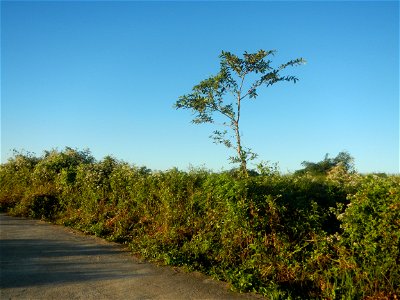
(44, 261)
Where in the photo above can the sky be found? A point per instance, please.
(105, 75)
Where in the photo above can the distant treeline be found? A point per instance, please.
(324, 232)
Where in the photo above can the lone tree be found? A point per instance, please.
(210, 97)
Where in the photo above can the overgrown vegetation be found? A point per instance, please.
(326, 235)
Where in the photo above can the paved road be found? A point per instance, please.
(44, 261)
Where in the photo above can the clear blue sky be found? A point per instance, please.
(105, 75)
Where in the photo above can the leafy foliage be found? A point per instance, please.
(210, 97)
(343, 159)
(298, 236)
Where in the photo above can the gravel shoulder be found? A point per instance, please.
(44, 261)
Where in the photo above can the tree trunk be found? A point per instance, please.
(241, 156)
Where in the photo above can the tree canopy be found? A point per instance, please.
(324, 166)
(222, 94)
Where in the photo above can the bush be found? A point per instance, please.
(369, 246)
(16, 179)
(300, 236)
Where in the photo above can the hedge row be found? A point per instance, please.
(332, 236)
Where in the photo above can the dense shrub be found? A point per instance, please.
(332, 236)
(368, 248)
(16, 179)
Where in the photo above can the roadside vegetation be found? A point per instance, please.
(324, 232)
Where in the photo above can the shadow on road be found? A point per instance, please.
(43, 261)
(58, 259)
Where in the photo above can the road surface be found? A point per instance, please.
(45, 261)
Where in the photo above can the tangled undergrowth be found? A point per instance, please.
(299, 236)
